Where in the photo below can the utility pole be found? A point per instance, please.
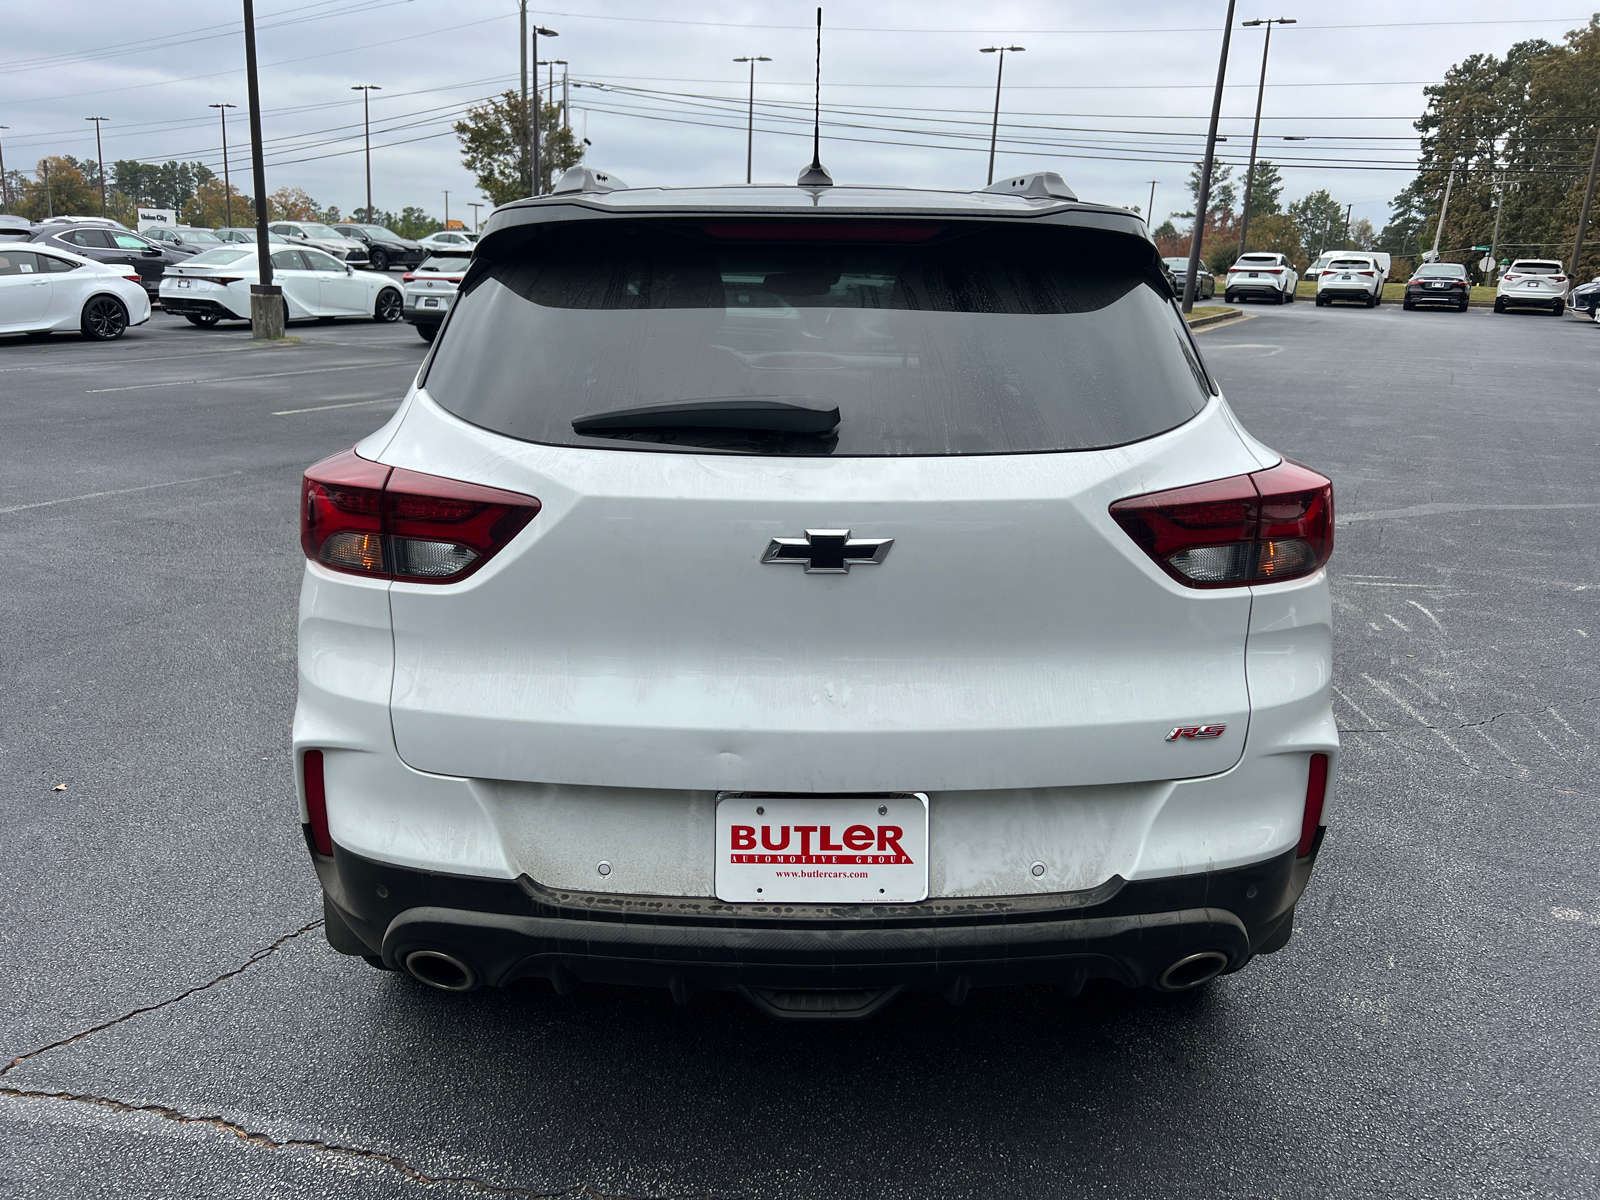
(1150, 213)
(1499, 208)
(1346, 236)
(100, 160)
(1255, 135)
(1443, 209)
(538, 175)
(227, 185)
(266, 298)
(750, 122)
(475, 222)
(49, 198)
(1204, 199)
(366, 90)
(447, 210)
(566, 100)
(527, 154)
(5, 184)
(1583, 215)
(1000, 70)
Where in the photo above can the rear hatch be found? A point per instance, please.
(997, 391)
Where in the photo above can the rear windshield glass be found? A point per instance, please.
(997, 340)
(1443, 270)
(1257, 260)
(1350, 264)
(220, 257)
(1537, 268)
(449, 263)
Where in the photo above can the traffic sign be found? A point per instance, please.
(1485, 249)
(1485, 263)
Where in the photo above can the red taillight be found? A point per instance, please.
(134, 278)
(390, 523)
(1316, 792)
(1558, 279)
(1367, 273)
(1510, 275)
(316, 801)
(1266, 527)
(408, 277)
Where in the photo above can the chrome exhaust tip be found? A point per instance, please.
(1192, 970)
(440, 970)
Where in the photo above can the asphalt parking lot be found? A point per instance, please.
(175, 1025)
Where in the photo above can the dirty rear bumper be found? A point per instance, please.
(1131, 931)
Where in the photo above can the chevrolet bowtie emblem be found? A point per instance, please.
(827, 551)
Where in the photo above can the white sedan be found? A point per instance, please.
(449, 239)
(47, 291)
(215, 286)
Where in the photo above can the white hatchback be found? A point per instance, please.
(1533, 283)
(215, 286)
(48, 291)
(815, 593)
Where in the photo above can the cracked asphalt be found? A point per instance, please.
(175, 1026)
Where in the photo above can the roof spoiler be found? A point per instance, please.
(586, 179)
(1036, 185)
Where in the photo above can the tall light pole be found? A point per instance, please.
(474, 207)
(1583, 215)
(1255, 136)
(538, 176)
(5, 184)
(750, 124)
(1150, 213)
(366, 90)
(1203, 201)
(527, 155)
(100, 160)
(1444, 211)
(266, 298)
(1000, 71)
(227, 185)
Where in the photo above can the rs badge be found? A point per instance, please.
(1193, 733)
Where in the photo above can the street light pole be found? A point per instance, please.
(366, 90)
(527, 154)
(100, 160)
(266, 299)
(1203, 201)
(475, 207)
(750, 124)
(227, 185)
(5, 185)
(1150, 213)
(538, 177)
(1583, 215)
(994, 130)
(1255, 135)
(447, 210)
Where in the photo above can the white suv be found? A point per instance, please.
(429, 288)
(1351, 277)
(1533, 283)
(1265, 276)
(814, 592)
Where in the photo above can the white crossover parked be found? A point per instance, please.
(48, 291)
(1533, 283)
(429, 289)
(449, 239)
(1357, 277)
(215, 286)
(815, 592)
(1261, 276)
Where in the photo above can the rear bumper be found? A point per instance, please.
(1432, 296)
(1131, 931)
(1532, 299)
(1345, 293)
(185, 305)
(1254, 287)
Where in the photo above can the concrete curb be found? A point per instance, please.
(1214, 319)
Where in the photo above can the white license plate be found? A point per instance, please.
(822, 850)
(430, 302)
(1344, 279)
(183, 283)
(1253, 275)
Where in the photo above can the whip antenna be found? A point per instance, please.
(816, 175)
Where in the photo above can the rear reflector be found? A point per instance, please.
(316, 801)
(1316, 792)
(1266, 527)
(367, 519)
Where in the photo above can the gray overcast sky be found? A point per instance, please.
(1112, 95)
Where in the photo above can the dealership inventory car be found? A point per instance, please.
(1351, 277)
(242, 234)
(1438, 283)
(105, 242)
(1585, 298)
(324, 238)
(215, 286)
(449, 239)
(44, 290)
(814, 592)
(183, 238)
(1261, 276)
(429, 289)
(385, 248)
(1533, 283)
(1205, 284)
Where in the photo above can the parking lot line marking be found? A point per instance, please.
(289, 412)
(1428, 510)
(122, 362)
(117, 492)
(134, 387)
(1572, 914)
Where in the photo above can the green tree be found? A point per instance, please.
(1408, 214)
(1266, 187)
(414, 223)
(1321, 220)
(208, 208)
(1278, 233)
(159, 185)
(58, 188)
(491, 146)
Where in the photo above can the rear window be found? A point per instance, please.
(1257, 260)
(1442, 271)
(1350, 264)
(1537, 268)
(997, 340)
(448, 263)
(220, 257)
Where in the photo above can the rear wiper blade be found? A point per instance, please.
(781, 414)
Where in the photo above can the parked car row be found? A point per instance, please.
(215, 286)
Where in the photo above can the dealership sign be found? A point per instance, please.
(151, 218)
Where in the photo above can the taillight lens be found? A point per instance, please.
(1265, 527)
(367, 519)
(1316, 793)
(408, 277)
(316, 802)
